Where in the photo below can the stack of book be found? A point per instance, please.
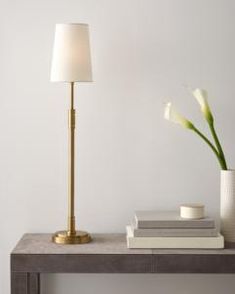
(166, 229)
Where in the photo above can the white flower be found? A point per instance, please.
(172, 115)
(201, 96)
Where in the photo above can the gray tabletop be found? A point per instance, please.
(101, 244)
(108, 253)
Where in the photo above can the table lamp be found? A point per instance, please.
(71, 63)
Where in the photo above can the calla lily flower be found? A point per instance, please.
(201, 96)
(172, 115)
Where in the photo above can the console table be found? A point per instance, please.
(107, 253)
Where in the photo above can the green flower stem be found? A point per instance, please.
(217, 143)
(221, 160)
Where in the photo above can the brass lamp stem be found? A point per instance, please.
(71, 236)
(71, 167)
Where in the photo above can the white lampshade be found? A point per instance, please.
(71, 60)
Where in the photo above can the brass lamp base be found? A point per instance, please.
(80, 237)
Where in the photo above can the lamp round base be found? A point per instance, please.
(62, 237)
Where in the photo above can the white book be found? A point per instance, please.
(174, 242)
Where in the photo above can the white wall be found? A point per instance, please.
(129, 158)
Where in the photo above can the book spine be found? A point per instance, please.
(175, 232)
(132, 242)
(200, 224)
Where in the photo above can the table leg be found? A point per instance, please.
(25, 283)
(34, 283)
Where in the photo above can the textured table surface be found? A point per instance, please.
(35, 254)
(108, 253)
(101, 244)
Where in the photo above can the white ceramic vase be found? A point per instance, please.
(227, 204)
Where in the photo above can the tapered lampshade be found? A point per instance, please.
(71, 60)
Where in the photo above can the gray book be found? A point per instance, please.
(169, 219)
(174, 232)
